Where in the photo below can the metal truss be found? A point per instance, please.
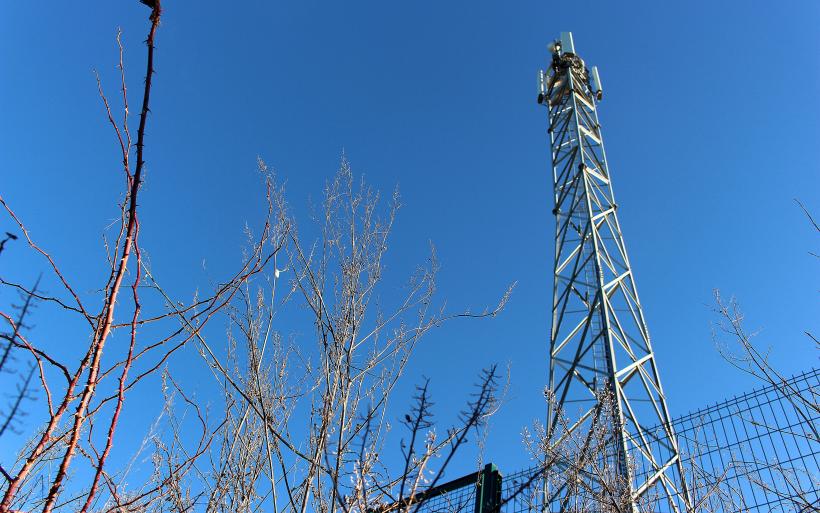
(599, 342)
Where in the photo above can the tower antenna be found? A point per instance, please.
(602, 369)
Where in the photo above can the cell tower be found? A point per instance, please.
(602, 368)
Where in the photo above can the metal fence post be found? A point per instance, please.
(488, 491)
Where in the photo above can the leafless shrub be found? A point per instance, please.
(581, 471)
(789, 482)
(306, 423)
(65, 462)
(24, 388)
(794, 484)
(742, 353)
(301, 426)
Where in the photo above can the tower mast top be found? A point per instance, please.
(563, 56)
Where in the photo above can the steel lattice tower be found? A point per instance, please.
(599, 343)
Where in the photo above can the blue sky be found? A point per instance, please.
(710, 118)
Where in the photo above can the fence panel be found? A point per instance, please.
(755, 453)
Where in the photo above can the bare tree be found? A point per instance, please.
(791, 481)
(306, 423)
(24, 392)
(580, 471)
(85, 394)
(788, 481)
(301, 426)
(743, 353)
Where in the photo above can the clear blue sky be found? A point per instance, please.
(710, 119)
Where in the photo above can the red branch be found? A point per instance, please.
(109, 442)
(104, 321)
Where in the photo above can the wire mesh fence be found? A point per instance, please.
(755, 453)
(458, 496)
(459, 500)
